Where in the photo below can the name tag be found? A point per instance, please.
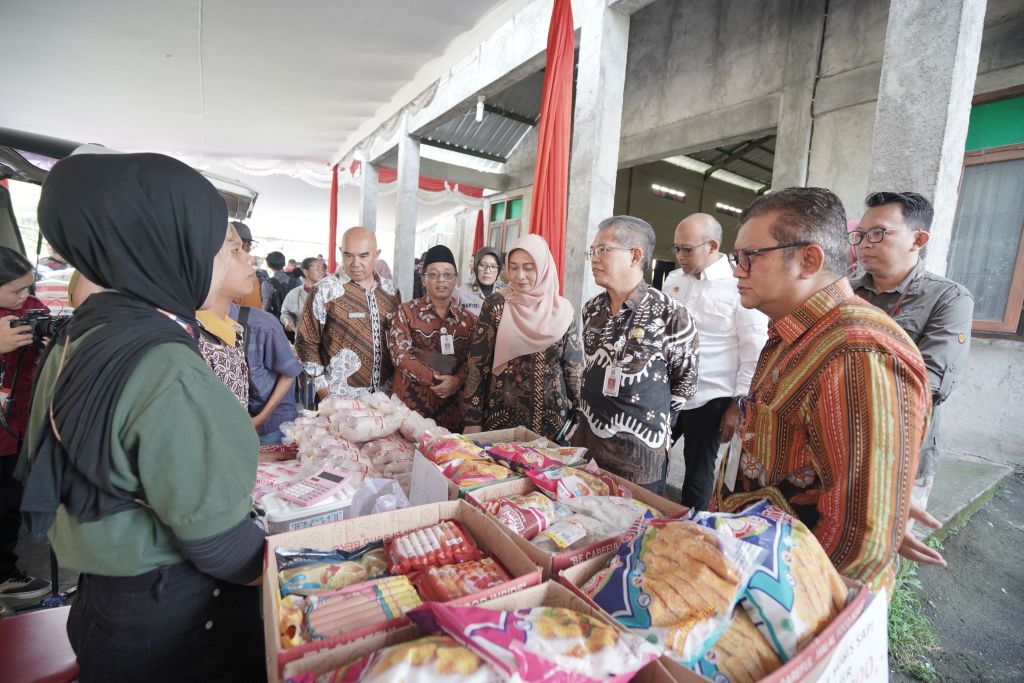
(447, 345)
(612, 380)
(356, 315)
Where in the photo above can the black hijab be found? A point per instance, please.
(148, 227)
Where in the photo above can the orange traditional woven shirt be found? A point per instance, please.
(832, 429)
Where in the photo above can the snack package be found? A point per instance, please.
(676, 583)
(615, 511)
(740, 655)
(342, 569)
(550, 644)
(291, 610)
(426, 660)
(796, 591)
(459, 580)
(359, 606)
(433, 448)
(575, 482)
(527, 513)
(434, 546)
(573, 532)
(476, 472)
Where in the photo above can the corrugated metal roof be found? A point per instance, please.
(496, 136)
(752, 159)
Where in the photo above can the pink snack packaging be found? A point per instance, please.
(549, 644)
(575, 482)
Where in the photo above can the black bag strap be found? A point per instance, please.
(243, 320)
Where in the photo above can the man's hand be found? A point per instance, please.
(447, 385)
(915, 550)
(289, 326)
(730, 421)
(258, 421)
(13, 338)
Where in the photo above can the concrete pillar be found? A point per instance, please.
(405, 210)
(368, 196)
(597, 124)
(806, 19)
(924, 105)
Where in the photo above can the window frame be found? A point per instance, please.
(1011, 319)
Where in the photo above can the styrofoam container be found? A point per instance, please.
(283, 515)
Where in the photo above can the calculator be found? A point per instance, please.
(324, 484)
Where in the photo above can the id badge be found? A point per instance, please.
(732, 460)
(612, 380)
(447, 345)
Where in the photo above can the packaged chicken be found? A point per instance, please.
(367, 428)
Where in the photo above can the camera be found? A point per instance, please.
(42, 323)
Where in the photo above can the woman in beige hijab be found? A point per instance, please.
(525, 359)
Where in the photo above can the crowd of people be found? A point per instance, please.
(784, 379)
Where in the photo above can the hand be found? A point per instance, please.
(321, 393)
(289, 326)
(475, 429)
(730, 421)
(915, 550)
(12, 338)
(446, 385)
(258, 421)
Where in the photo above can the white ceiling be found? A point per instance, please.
(218, 80)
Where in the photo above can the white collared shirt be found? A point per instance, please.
(731, 336)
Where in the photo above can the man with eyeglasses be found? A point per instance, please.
(429, 341)
(935, 311)
(839, 402)
(731, 338)
(342, 336)
(640, 358)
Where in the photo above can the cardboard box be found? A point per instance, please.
(353, 533)
(548, 594)
(429, 485)
(853, 648)
(553, 563)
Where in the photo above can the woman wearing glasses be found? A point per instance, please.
(486, 268)
(429, 342)
(525, 361)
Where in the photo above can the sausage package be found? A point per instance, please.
(360, 606)
(432, 659)
(455, 581)
(550, 644)
(795, 591)
(447, 542)
(676, 583)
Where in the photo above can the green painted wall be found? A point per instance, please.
(996, 124)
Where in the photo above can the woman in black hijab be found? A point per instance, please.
(139, 462)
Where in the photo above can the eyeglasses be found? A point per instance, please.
(599, 252)
(740, 258)
(874, 235)
(487, 268)
(440, 276)
(688, 251)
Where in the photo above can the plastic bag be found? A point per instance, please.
(796, 591)
(573, 532)
(359, 606)
(616, 512)
(378, 495)
(677, 584)
(363, 429)
(342, 569)
(550, 644)
(740, 655)
(426, 660)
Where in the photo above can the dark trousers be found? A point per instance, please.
(10, 516)
(699, 428)
(170, 624)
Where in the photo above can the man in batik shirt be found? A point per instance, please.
(342, 336)
(640, 358)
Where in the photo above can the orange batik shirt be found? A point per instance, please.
(832, 429)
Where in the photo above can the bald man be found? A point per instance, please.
(731, 338)
(342, 335)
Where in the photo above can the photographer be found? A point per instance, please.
(18, 351)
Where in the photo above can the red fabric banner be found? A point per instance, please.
(332, 237)
(551, 176)
(387, 175)
(478, 236)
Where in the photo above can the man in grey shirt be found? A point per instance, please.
(934, 311)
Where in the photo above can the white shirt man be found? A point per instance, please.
(731, 338)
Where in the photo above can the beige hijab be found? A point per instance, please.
(534, 320)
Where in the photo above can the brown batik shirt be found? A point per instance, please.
(342, 336)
